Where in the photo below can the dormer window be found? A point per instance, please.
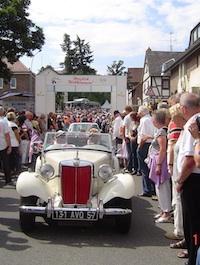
(195, 35)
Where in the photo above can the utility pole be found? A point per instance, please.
(171, 41)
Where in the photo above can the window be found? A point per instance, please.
(13, 83)
(165, 84)
(196, 90)
(199, 32)
(195, 37)
(1, 83)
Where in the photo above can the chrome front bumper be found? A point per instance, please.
(49, 212)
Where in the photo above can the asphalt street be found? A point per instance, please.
(86, 244)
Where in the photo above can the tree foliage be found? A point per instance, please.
(116, 68)
(18, 35)
(78, 56)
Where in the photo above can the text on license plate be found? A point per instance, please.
(75, 215)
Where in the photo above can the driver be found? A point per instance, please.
(60, 138)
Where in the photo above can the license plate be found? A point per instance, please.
(74, 215)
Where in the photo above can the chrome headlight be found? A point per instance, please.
(105, 172)
(47, 171)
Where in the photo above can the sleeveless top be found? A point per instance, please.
(160, 132)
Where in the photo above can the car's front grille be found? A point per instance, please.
(75, 184)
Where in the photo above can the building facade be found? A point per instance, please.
(19, 91)
(134, 85)
(185, 72)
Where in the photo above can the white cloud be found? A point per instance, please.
(114, 28)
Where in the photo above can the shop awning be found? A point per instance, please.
(15, 94)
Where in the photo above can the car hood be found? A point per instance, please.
(96, 157)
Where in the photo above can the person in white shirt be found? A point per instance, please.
(15, 157)
(116, 129)
(5, 145)
(146, 132)
(188, 182)
(126, 134)
(195, 131)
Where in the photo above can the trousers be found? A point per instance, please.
(142, 153)
(4, 157)
(191, 215)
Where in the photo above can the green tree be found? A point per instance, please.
(116, 68)
(18, 35)
(68, 63)
(78, 56)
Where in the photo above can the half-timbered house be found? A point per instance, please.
(155, 85)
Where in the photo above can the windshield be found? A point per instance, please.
(82, 127)
(68, 140)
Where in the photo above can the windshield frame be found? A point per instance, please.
(55, 146)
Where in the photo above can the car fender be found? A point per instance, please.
(29, 184)
(121, 185)
(116, 164)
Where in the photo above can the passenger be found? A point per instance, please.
(93, 137)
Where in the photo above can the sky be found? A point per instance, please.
(115, 29)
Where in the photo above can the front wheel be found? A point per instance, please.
(123, 222)
(27, 220)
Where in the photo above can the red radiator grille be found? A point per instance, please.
(76, 183)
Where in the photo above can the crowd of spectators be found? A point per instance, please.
(163, 146)
(19, 132)
(78, 114)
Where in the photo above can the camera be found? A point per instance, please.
(198, 122)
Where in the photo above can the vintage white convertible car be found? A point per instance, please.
(77, 177)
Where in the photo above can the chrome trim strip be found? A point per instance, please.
(76, 181)
(116, 211)
(33, 209)
(101, 213)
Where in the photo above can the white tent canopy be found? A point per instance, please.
(106, 105)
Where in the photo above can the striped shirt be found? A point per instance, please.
(173, 131)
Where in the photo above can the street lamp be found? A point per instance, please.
(31, 79)
(33, 59)
(54, 91)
